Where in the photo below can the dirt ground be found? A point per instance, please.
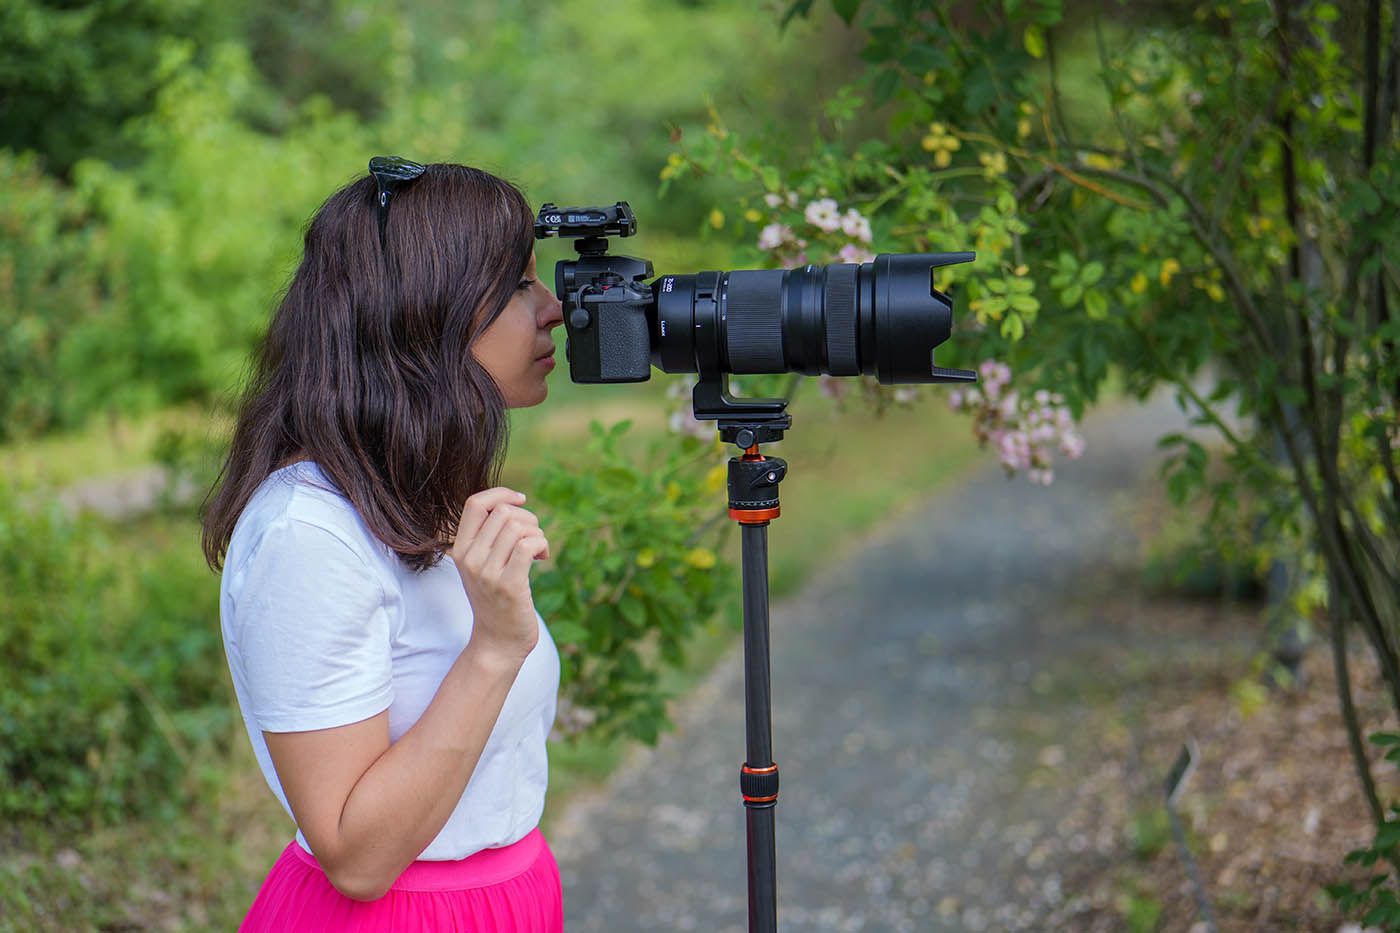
(1270, 812)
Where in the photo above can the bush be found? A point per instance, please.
(97, 652)
(47, 287)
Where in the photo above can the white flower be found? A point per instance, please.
(823, 215)
(774, 235)
(772, 200)
(855, 226)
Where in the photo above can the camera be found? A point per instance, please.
(882, 318)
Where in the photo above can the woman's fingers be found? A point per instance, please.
(476, 510)
(526, 550)
(505, 521)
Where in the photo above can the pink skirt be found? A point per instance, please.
(510, 890)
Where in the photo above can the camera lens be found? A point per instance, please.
(882, 318)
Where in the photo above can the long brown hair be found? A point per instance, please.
(366, 367)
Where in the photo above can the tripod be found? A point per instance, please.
(753, 503)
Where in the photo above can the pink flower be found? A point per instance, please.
(1072, 445)
(831, 387)
(853, 253)
(955, 399)
(683, 422)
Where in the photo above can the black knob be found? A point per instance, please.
(579, 318)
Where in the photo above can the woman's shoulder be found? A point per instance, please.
(297, 503)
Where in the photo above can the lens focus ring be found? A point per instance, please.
(842, 356)
(753, 322)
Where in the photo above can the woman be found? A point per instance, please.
(395, 680)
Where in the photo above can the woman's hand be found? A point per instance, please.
(497, 542)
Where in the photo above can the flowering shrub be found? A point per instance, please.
(1025, 432)
(1223, 219)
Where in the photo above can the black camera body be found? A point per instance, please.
(881, 318)
(605, 300)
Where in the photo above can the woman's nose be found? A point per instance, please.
(553, 313)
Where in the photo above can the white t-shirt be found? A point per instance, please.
(324, 626)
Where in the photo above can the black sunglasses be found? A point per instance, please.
(391, 173)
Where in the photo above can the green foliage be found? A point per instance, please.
(1150, 832)
(112, 671)
(1207, 200)
(48, 289)
(633, 575)
(1375, 900)
(72, 73)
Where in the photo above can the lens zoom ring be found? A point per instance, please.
(753, 324)
(842, 353)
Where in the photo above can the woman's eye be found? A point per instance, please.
(525, 285)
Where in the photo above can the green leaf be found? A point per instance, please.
(1384, 738)
(632, 609)
(1035, 41)
(1026, 304)
(1387, 836)
(846, 9)
(885, 85)
(570, 633)
(1091, 273)
(1096, 304)
(1013, 327)
(1071, 295)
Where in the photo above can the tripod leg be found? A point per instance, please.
(758, 779)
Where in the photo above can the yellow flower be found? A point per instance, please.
(701, 558)
(717, 218)
(993, 162)
(1099, 160)
(1023, 128)
(941, 143)
(1170, 267)
(1215, 292)
(1138, 284)
(716, 479)
(1021, 269)
(646, 558)
(752, 216)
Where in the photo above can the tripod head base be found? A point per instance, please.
(747, 434)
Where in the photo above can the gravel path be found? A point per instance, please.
(899, 681)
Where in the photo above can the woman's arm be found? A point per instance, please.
(368, 808)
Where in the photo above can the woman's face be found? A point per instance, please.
(516, 348)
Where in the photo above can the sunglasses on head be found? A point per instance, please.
(391, 173)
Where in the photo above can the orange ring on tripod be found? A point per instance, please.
(754, 516)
